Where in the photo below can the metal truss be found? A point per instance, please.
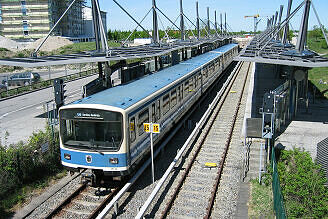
(269, 48)
(113, 54)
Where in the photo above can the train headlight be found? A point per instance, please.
(113, 160)
(67, 156)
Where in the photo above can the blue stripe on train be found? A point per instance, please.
(97, 160)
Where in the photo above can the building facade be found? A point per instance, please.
(33, 19)
(88, 21)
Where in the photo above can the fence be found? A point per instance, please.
(45, 84)
(278, 200)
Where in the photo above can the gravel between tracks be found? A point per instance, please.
(44, 209)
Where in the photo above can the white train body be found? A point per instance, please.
(104, 132)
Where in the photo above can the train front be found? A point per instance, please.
(93, 139)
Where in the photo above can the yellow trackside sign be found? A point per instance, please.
(156, 128)
(152, 127)
(146, 127)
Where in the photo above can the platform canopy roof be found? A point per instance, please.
(272, 46)
(113, 54)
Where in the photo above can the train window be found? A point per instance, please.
(153, 113)
(158, 111)
(173, 98)
(191, 85)
(85, 128)
(143, 118)
(186, 88)
(205, 72)
(132, 129)
(196, 80)
(166, 103)
(179, 94)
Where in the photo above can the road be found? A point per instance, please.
(47, 75)
(23, 115)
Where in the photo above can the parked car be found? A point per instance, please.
(3, 88)
(22, 79)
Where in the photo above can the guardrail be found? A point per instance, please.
(44, 84)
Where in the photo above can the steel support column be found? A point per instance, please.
(182, 22)
(221, 25)
(303, 28)
(215, 24)
(286, 29)
(225, 23)
(155, 24)
(95, 19)
(197, 22)
(208, 21)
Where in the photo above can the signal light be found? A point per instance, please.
(59, 89)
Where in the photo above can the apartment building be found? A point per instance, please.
(33, 19)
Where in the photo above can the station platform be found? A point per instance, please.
(305, 131)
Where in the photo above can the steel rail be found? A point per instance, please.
(128, 185)
(101, 207)
(183, 148)
(227, 145)
(68, 200)
(75, 194)
(203, 138)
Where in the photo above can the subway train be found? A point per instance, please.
(104, 132)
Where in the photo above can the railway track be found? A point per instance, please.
(84, 202)
(78, 205)
(195, 193)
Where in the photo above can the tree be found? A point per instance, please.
(315, 33)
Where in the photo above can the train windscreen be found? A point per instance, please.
(91, 129)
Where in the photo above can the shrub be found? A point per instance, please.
(323, 44)
(21, 163)
(302, 185)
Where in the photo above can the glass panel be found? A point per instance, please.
(173, 98)
(143, 118)
(93, 129)
(166, 103)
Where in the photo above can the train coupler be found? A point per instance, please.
(88, 178)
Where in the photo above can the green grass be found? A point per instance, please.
(317, 74)
(18, 198)
(261, 203)
(316, 45)
(80, 47)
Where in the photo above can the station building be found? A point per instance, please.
(33, 19)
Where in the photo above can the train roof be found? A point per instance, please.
(124, 96)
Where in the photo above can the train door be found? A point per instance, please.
(132, 137)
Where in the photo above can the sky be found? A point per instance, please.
(235, 9)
